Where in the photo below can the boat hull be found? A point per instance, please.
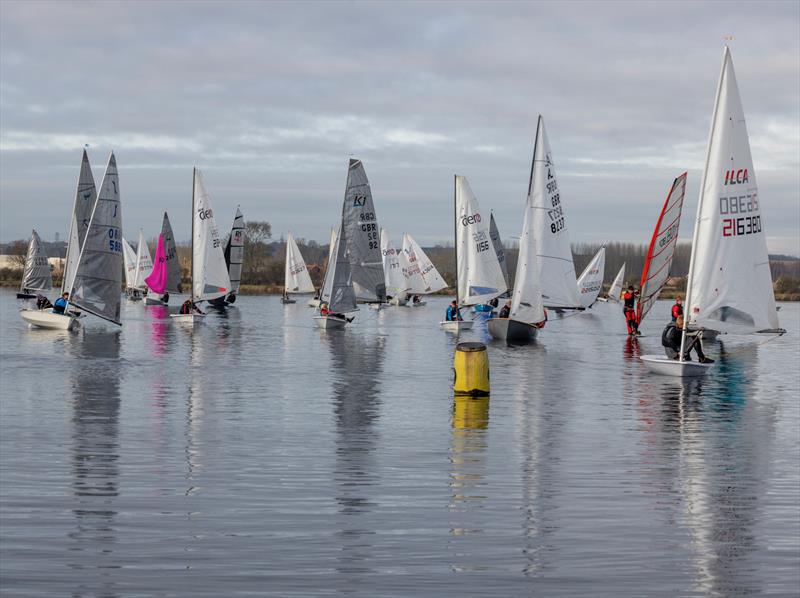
(329, 323)
(189, 319)
(419, 303)
(47, 319)
(506, 329)
(664, 366)
(25, 296)
(288, 300)
(456, 325)
(149, 301)
(398, 301)
(313, 302)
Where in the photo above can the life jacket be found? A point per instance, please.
(630, 300)
(677, 310)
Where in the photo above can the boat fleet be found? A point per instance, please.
(729, 284)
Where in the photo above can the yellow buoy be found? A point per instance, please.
(471, 370)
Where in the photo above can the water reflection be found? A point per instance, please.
(195, 410)
(95, 397)
(161, 329)
(356, 367)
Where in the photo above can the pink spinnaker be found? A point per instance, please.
(157, 281)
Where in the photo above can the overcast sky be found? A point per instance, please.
(270, 99)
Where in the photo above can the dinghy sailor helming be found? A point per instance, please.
(677, 309)
(671, 341)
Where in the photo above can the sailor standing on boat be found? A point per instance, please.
(629, 309)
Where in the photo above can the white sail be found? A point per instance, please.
(85, 199)
(480, 278)
(144, 263)
(209, 271)
(36, 276)
(341, 297)
(730, 285)
(234, 251)
(129, 261)
(363, 236)
(554, 254)
(98, 277)
(327, 281)
(411, 267)
(591, 279)
(494, 233)
(430, 275)
(662, 248)
(615, 292)
(527, 303)
(395, 280)
(296, 276)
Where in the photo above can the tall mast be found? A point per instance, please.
(693, 257)
(455, 233)
(191, 263)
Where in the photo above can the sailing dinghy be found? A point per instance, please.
(337, 288)
(165, 277)
(591, 279)
(396, 286)
(209, 271)
(661, 249)
(144, 265)
(129, 261)
(730, 285)
(95, 276)
(315, 301)
(422, 277)
(527, 313)
(479, 278)
(36, 276)
(296, 277)
(234, 258)
(615, 291)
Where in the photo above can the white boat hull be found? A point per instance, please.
(47, 319)
(188, 318)
(398, 301)
(664, 366)
(419, 303)
(506, 329)
(288, 300)
(329, 323)
(313, 303)
(456, 325)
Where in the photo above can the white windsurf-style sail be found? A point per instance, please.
(98, 276)
(498, 248)
(209, 271)
(480, 278)
(432, 281)
(296, 276)
(662, 248)
(85, 199)
(234, 251)
(36, 276)
(144, 263)
(591, 279)
(554, 254)
(615, 291)
(360, 228)
(129, 261)
(730, 284)
(396, 285)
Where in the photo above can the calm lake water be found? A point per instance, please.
(257, 455)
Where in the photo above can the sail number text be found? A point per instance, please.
(370, 227)
(735, 227)
(556, 214)
(481, 241)
(740, 204)
(114, 243)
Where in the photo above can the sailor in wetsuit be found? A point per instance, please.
(629, 309)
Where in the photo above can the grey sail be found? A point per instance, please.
(343, 297)
(360, 228)
(494, 234)
(36, 276)
(98, 277)
(234, 251)
(173, 264)
(85, 199)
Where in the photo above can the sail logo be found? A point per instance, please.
(736, 177)
(473, 219)
(205, 214)
(359, 201)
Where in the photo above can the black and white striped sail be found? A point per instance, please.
(85, 199)
(98, 276)
(662, 248)
(234, 251)
(36, 276)
(591, 279)
(480, 278)
(209, 272)
(498, 248)
(360, 228)
(144, 263)
(296, 276)
(174, 275)
(730, 284)
(553, 251)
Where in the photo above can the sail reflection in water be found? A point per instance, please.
(357, 364)
(95, 397)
